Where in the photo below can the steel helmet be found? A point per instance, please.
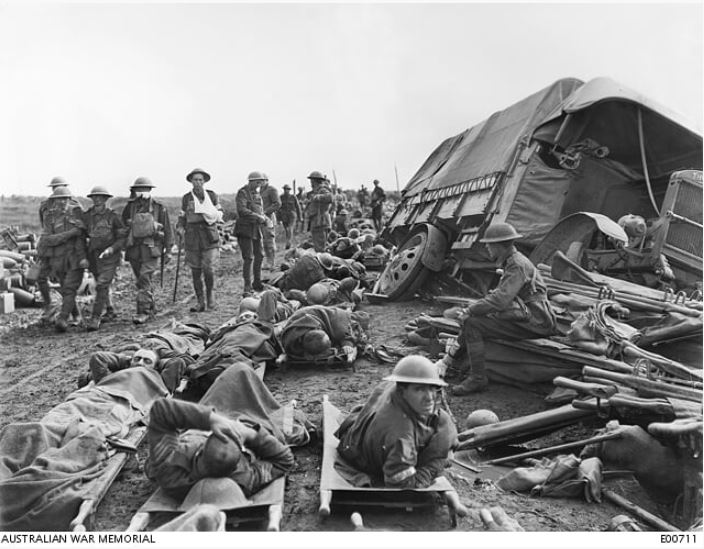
(61, 192)
(99, 190)
(256, 176)
(325, 260)
(222, 492)
(354, 233)
(316, 175)
(416, 369)
(500, 232)
(142, 183)
(317, 294)
(57, 182)
(287, 186)
(480, 417)
(249, 304)
(378, 250)
(343, 212)
(348, 284)
(194, 171)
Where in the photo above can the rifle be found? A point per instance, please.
(161, 277)
(178, 266)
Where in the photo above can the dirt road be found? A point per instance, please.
(39, 368)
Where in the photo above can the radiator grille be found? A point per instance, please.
(687, 204)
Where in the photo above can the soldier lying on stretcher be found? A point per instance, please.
(236, 448)
(400, 437)
(169, 353)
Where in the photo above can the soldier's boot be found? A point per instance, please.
(144, 307)
(198, 287)
(61, 324)
(270, 254)
(209, 283)
(248, 290)
(477, 381)
(110, 313)
(257, 272)
(94, 321)
(45, 292)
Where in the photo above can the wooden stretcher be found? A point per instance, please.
(115, 464)
(336, 361)
(264, 506)
(335, 490)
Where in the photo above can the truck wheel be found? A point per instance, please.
(405, 273)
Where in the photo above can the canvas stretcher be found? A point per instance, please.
(336, 490)
(265, 506)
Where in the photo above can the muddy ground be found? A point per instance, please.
(39, 367)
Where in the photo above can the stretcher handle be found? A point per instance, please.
(86, 508)
(274, 524)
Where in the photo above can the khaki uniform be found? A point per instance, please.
(271, 205)
(518, 308)
(202, 245)
(173, 454)
(289, 213)
(44, 263)
(318, 215)
(104, 230)
(389, 442)
(144, 246)
(249, 236)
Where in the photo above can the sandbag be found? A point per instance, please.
(12, 255)
(23, 298)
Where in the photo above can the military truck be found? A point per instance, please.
(563, 166)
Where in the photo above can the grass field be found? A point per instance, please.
(21, 212)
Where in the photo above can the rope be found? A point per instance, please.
(641, 142)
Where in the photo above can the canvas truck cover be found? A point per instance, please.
(490, 146)
(670, 142)
(492, 167)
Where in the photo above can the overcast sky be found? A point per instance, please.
(103, 93)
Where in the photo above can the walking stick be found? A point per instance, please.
(178, 267)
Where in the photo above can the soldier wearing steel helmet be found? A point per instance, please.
(106, 239)
(149, 237)
(400, 437)
(319, 202)
(250, 220)
(378, 198)
(518, 308)
(62, 250)
(288, 214)
(44, 267)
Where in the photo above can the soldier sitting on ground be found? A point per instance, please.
(400, 438)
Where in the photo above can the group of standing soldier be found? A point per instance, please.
(73, 240)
